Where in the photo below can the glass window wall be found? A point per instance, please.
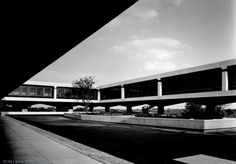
(111, 93)
(232, 77)
(202, 81)
(141, 89)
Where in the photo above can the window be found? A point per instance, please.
(39, 91)
(23, 90)
(32, 91)
(141, 89)
(111, 93)
(202, 81)
(48, 92)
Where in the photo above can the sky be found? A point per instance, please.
(151, 37)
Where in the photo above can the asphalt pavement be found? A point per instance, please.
(141, 144)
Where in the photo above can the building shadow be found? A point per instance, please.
(6, 152)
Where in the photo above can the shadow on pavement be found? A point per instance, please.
(6, 152)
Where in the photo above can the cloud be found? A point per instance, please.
(154, 54)
(134, 15)
(150, 46)
(145, 15)
(170, 4)
(141, 14)
(176, 2)
(160, 43)
(160, 66)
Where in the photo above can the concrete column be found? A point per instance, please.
(225, 81)
(122, 92)
(210, 108)
(99, 95)
(91, 108)
(55, 92)
(129, 109)
(159, 88)
(107, 108)
(160, 109)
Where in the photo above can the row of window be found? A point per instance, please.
(140, 89)
(73, 93)
(202, 81)
(33, 91)
(48, 92)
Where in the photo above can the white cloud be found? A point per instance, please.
(173, 3)
(163, 43)
(177, 2)
(160, 66)
(146, 14)
(154, 54)
(134, 15)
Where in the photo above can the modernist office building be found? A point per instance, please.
(209, 84)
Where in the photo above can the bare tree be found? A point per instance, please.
(83, 86)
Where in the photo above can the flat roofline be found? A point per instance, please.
(220, 64)
(55, 84)
(48, 83)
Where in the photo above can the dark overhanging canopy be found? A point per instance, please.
(34, 34)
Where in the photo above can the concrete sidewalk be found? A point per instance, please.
(28, 146)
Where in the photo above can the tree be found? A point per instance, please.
(193, 107)
(197, 111)
(193, 110)
(84, 86)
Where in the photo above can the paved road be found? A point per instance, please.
(140, 144)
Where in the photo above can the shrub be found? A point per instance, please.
(229, 112)
(196, 111)
(145, 109)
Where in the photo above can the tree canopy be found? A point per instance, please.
(85, 84)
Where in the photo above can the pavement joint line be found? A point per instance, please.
(93, 153)
(40, 154)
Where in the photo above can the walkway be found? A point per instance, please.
(20, 144)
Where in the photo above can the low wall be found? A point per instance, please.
(98, 117)
(193, 124)
(32, 113)
(167, 122)
(220, 123)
